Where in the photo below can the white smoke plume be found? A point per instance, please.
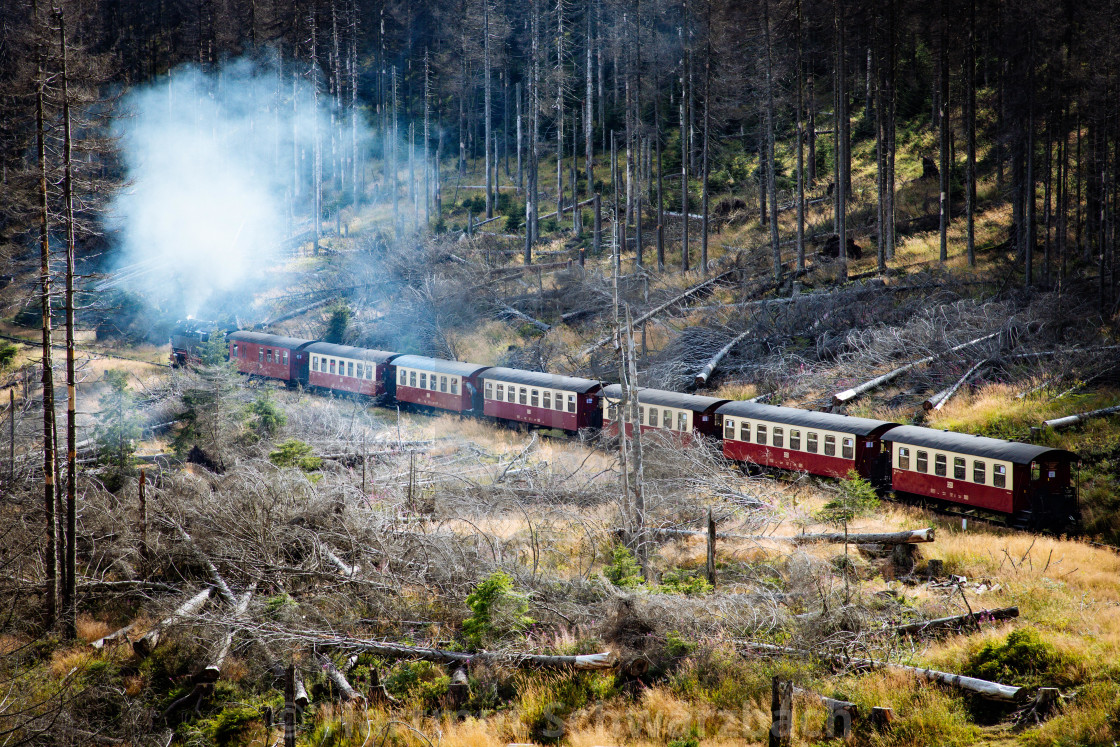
(212, 175)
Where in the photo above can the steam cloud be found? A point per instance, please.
(211, 165)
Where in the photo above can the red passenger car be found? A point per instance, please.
(688, 415)
(270, 356)
(342, 368)
(1033, 485)
(548, 400)
(431, 382)
(790, 438)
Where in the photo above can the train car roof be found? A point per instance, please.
(542, 379)
(263, 338)
(423, 363)
(964, 443)
(665, 398)
(806, 418)
(349, 351)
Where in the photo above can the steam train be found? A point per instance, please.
(1023, 485)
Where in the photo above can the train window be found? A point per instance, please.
(811, 442)
(745, 431)
(653, 421)
(285, 357)
(667, 419)
(350, 369)
(923, 462)
(979, 470)
(332, 365)
(369, 371)
(612, 411)
(268, 355)
(443, 383)
(546, 399)
(779, 438)
(490, 389)
(315, 363)
(999, 476)
(959, 471)
(260, 355)
(760, 434)
(412, 378)
(511, 393)
(641, 414)
(361, 371)
(571, 403)
(848, 448)
(235, 350)
(535, 397)
(454, 384)
(523, 395)
(939, 465)
(423, 380)
(1036, 471)
(729, 429)
(830, 446)
(402, 377)
(795, 439)
(433, 382)
(682, 421)
(903, 457)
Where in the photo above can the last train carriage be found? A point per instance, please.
(1029, 485)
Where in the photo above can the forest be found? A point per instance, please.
(887, 210)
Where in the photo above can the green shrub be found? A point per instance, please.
(496, 611)
(623, 569)
(419, 683)
(231, 723)
(1023, 659)
(680, 581)
(295, 453)
(8, 353)
(268, 416)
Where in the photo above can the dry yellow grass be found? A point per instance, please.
(65, 660)
(90, 629)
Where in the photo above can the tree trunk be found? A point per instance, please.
(560, 110)
(660, 193)
(588, 108)
(69, 595)
(49, 474)
(840, 140)
(970, 135)
(771, 180)
(684, 172)
(943, 123)
(487, 111)
(800, 144)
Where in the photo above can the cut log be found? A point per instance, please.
(212, 671)
(985, 688)
(882, 718)
(216, 579)
(908, 537)
(657, 310)
(510, 311)
(709, 368)
(1069, 420)
(585, 203)
(349, 571)
(145, 645)
(841, 714)
(346, 693)
(846, 396)
(970, 621)
(937, 401)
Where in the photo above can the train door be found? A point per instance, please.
(1049, 478)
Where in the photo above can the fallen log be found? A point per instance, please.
(985, 688)
(113, 637)
(908, 537)
(567, 208)
(709, 368)
(212, 671)
(937, 401)
(215, 578)
(338, 680)
(970, 621)
(510, 311)
(350, 571)
(654, 312)
(846, 396)
(147, 643)
(1067, 421)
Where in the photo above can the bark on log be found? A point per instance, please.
(956, 622)
(350, 571)
(216, 579)
(990, 690)
(212, 671)
(144, 645)
(937, 401)
(709, 368)
(650, 314)
(585, 203)
(338, 680)
(908, 537)
(841, 714)
(510, 311)
(846, 396)
(1066, 422)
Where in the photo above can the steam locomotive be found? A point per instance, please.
(1026, 486)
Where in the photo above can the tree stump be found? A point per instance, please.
(882, 718)
(781, 713)
(935, 568)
